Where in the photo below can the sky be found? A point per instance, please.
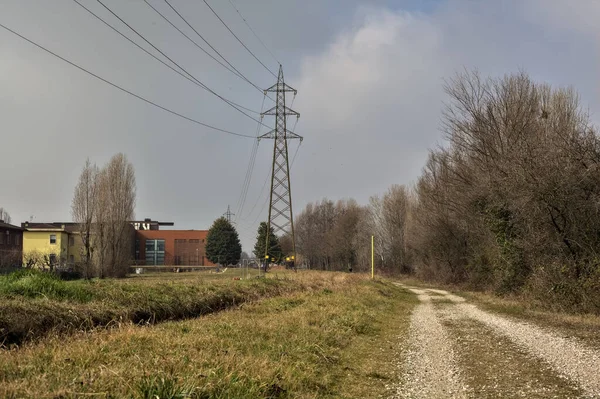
(369, 75)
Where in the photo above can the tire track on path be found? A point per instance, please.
(431, 367)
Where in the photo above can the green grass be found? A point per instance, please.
(35, 284)
(34, 304)
(338, 337)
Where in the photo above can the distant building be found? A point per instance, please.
(11, 245)
(171, 248)
(60, 243)
(51, 244)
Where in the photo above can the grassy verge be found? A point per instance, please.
(339, 341)
(33, 305)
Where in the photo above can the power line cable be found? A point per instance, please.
(249, 172)
(229, 102)
(238, 39)
(121, 88)
(230, 68)
(252, 30)
(146, 51)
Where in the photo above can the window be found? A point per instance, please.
(52, 259)
(71, 259)
(155, 252)
(52, 238)
(71, 241)
(17, 240)
(181, 241)
(194, 241)
(2, 238)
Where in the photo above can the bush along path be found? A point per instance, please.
(34, 304)
(457, 350)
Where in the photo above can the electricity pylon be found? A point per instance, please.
(281, 216)
(227, 215)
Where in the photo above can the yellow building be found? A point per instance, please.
(51, 244)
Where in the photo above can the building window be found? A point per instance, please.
(71, 241)
(181, 241)
(195, 241)
(52, 259)
(155, 252)
(17, 240)
(71, 259)
(52, 238)
(2, 238)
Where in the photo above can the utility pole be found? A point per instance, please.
(281, 216)
(228, 214)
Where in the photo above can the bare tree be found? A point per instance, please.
(83, 210)
(4, 215)
(103, 205)
(115, 207)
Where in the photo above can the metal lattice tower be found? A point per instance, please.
(227, 215)
(281, 216)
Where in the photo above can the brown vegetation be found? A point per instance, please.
(103, 205)
(510, 204)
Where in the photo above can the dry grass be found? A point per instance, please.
(33, 305)
(335, 338)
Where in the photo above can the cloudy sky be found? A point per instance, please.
(369, 76)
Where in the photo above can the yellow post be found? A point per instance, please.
(372, 257)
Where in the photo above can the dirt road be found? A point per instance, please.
(456, 350)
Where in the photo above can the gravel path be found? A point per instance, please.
(567, 356)
(430, 367)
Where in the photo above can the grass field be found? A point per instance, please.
(33, 304)
(326, 335)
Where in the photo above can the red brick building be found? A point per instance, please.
(11, 245)
(171, 248)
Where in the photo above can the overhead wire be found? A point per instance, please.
(229, 66)
(229, 102)
(253, 32)
(249, 172)
(238, 39)
(147, 52)
(123, 89)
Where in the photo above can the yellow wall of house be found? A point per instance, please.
(76, 250)
(39, 242)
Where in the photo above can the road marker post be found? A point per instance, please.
(372, 257)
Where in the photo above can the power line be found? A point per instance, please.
(146, 51)
(252, 30)
(229, 102)
(121, 88)
(249, 172)
(230, 68)
(238, 39)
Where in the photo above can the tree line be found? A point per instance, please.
(509, 203)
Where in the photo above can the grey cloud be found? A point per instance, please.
(369, 75)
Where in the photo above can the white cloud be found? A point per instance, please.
(371, 101)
